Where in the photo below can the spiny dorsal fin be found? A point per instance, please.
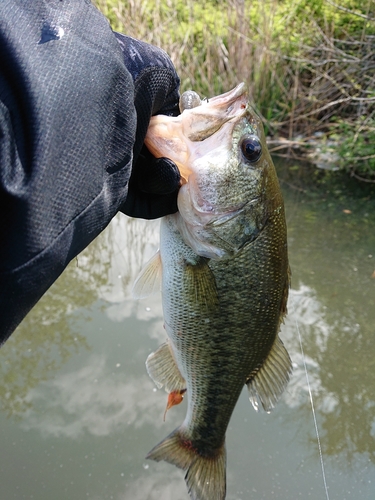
(148, 280)
(270, 381)
(162, 368)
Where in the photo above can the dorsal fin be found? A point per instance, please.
(269, 382)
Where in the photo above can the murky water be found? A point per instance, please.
(79, 413)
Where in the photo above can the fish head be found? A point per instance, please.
(230, 185)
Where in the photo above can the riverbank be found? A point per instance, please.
(309, 65)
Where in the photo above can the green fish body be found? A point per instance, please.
(224, 273)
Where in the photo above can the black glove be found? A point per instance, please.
(153, 187)
(154, 183)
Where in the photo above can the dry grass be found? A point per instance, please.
(305, 74)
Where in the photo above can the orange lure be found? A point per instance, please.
(174, 398)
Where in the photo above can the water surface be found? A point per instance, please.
(79, 413)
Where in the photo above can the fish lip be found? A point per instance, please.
(230, 96)
(214, 113)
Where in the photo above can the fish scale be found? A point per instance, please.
(238, 335)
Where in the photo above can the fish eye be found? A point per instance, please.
(251, 148)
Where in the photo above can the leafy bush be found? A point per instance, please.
(356, 147)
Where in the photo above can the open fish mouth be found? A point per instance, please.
(194, 132)
(215, 112)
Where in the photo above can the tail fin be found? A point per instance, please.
(205, 476)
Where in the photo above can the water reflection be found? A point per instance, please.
(342, 386)
(43, 343)
(75, 369)
(306, 317)
(50, 334)
(90, 400)
(165, 484)
(333, 259)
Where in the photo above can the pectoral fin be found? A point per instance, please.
(200, 281)
(269, 382)
(148, 280)
(162, 368)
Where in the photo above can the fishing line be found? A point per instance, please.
(313, 410)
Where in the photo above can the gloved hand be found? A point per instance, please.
(154, 183)
(153, 187)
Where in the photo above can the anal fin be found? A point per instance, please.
(163, 369)
(269, 382)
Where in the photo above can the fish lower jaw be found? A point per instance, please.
(203, 231)
(201, 241)
(204, 214)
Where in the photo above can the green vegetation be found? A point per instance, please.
(309, 64)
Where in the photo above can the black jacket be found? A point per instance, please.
(75, 102)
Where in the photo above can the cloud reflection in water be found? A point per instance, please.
(306, 315)
(90, 400)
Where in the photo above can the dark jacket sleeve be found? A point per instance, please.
(68, 140)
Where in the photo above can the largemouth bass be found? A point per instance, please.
(224, 273)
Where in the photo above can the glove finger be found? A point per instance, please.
(158, 175)
(153, 187)
(149, 205)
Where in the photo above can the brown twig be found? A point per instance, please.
(363, 179)
(363, 16)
